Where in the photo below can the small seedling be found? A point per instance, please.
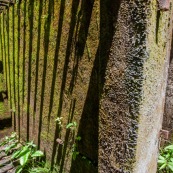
(74, 151)
(25, 156)
(59, 121)
(78, 138)
(83, 157)
(165, 160)
(72, 125)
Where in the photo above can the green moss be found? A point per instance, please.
(70, 80)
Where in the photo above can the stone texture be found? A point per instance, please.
(5, 161)
(6, 168)
(168, 112)
(133, 100)
(57, 68)
(48, 50)
(2, 154)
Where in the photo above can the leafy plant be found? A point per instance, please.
(13, 145)
(39, 170)
(8, 139)
(74, 151)
(27, 156)
(165, 160)
(59, 121)
(71, 125)
(78, 138)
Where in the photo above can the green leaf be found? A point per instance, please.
(37, 154)
(161, 158)
(13, 135)
(3, 143)
(168, 155)
(24, 150)
(31, 144)
(19, 169)
(7, 149)
(169, 147)
(69, 125)
(24, 159)
(74, 124)
(163, 166)
(39, 170)
(170, 165)
(78, 138)
(74, 155)
(15, 154)
(161, 161)
(11, 140)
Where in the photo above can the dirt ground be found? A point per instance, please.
(5, 132)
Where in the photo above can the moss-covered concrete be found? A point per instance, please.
(50, 48)
(168, 111)
(133, 99)
(61, 57)
(4, 108)
(154, 87)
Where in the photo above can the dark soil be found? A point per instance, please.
(5, 132)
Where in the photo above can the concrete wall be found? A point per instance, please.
(168, 112)
(102, 64)
(133, 101)
(50, 50)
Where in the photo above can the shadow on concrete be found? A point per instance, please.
(46, 46)
(74, 10)
(1, 67)
(3, 96)
(87, 160)
(6, 122)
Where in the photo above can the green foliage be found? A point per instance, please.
(13, 145)
(59, 121)
(78, 138)
(39, 170)
(75, 152)
(165, 160)
(72, 125)
(26, 156)
(8, 140)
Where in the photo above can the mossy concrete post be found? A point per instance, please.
(168, 111)
(132, 103)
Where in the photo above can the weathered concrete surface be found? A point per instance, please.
(168, 112)
(50, 50)
(132, 103)
(154, 87)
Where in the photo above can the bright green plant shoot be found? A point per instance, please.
(72, 125)
(26, 154)
(165, 160)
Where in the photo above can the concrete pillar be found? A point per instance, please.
(132, 102)
(168, 112)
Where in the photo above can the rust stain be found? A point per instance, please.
(164, 134)
(164, 5)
